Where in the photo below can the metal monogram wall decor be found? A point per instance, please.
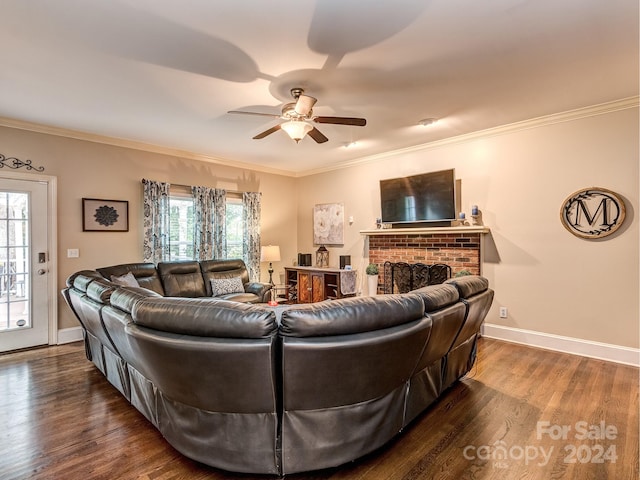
(592, 212)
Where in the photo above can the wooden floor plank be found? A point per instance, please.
(61, 419)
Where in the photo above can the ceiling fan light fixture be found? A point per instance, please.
(296, 129)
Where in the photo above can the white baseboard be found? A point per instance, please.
(68, 335)
(575, 346)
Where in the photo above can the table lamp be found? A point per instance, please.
(270, 253)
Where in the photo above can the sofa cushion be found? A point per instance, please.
(81, 280)
(439, 296)
(145, 273)
(242, 297)
(126, 297)
(223, 269)
(351, 315)
(206, 317)
(87, 275)
(223, 286)
(100, 291)
(182, 279)
(126, 280)
(469, 285)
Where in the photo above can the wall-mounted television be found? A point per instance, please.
(427, 197)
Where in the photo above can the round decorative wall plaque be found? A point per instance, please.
(592, 212)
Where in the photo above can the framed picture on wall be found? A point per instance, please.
(328, 224)
(105, 215)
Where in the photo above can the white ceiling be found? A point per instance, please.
(165, 72)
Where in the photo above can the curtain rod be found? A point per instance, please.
(225, 189)
(238, 192)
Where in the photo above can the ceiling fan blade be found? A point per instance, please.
(254, 113)
(304, 104)
(317, 135)
(267, 132)
(358, 122)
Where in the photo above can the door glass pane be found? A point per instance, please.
(3, 206)
(14, 261)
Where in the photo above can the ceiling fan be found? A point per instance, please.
(297, 116)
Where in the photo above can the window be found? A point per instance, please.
(182, 225)
(235, 227)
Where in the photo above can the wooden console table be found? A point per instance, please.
(312, 284)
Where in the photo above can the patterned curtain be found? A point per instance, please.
(220, 223)
(155, 247)
(209, 222)
(251, 240)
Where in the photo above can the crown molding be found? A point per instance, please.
(600, 109)
(570, 115)
(135, 145)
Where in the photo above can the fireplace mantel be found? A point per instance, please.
(426, 231)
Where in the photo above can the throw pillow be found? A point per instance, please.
(126, 280)
(222, 286)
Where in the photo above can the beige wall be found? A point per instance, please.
(550, 280)
(86, 169)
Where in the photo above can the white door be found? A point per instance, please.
(24, 260)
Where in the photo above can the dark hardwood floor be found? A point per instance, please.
(61, 419)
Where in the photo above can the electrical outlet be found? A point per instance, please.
(504, 313)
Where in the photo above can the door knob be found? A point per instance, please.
(42, 271)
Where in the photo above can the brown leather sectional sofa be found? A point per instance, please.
(277, 390)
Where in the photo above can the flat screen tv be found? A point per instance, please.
(428, 197)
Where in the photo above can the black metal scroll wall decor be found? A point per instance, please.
(14, 163)
(593, 212)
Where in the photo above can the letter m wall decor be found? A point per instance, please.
(592, 212)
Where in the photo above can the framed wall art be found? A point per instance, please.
(328, 224)
(105, 215)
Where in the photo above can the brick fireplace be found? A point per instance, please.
(458, 247)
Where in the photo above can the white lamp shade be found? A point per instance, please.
(270, 253)
(296, 129)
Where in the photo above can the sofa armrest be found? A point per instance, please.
(262, 290)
